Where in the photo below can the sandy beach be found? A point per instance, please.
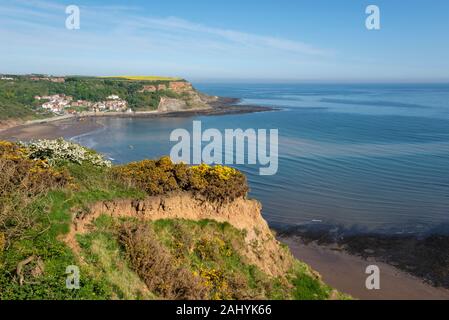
(51, 130)
(77, 125)
(346, 273)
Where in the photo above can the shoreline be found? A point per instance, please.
(71, 126)
(346, 273)
(422, 255)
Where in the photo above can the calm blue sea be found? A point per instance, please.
(362, 156)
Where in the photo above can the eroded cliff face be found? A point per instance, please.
(172, 105)
(262, 249)
(175, 86)
(190, 98)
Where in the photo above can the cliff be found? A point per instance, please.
(261, 249)
(188, 98)
(145, 230)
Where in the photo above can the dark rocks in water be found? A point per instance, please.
(423, 255)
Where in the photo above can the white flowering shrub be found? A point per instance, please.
(60, 151)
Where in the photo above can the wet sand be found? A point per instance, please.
(51, 130)
(346, 273)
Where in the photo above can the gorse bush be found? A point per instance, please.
(59, 151)
(217, 183)
(156, 266)
(154, 177)
(32, 177)
(221, 183)
(21, 181)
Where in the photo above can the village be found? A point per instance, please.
(60, 104)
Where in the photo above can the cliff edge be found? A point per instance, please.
(261, 247)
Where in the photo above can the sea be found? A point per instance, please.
(365, 157)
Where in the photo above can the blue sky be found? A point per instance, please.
(244, 40)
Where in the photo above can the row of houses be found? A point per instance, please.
(61, 104)
(55, 103)
(113, 103)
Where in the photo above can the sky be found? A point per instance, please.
(232, 40)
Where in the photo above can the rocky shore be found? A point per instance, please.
(347, 272)
(414, 266)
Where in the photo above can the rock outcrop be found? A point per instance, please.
(189, 98)
(172, 105)
(180, 86)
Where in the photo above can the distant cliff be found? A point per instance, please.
(188, 99)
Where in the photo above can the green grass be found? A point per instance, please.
(43, 240)
(307, 287)
(107, 262)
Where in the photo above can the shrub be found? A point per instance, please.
(154, 177)
(60, 151)
(11, 150)
(212, 248)
(217, 283)
(217, 183)
(23, 179)
(223, 183)
(31, 177)
(156, 266)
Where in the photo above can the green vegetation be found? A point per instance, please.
(222, 184)
(17, 97)
(17, 101)
(122, 258)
